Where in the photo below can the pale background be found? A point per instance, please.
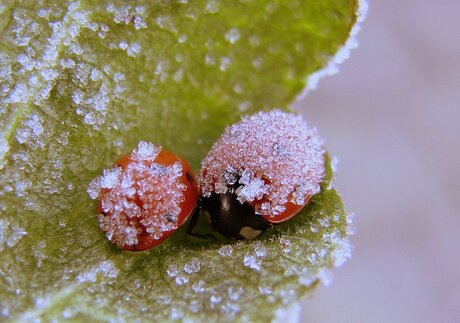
(392, 116)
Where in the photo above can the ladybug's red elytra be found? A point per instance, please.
(262, 171)
(145, 197)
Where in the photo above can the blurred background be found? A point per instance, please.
(392, 117)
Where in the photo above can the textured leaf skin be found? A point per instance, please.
(168, 72)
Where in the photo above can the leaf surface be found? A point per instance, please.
(81, 83)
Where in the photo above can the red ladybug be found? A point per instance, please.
(262, 171)
(145, 197)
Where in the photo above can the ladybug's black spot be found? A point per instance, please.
(189, 177)
(233, 219)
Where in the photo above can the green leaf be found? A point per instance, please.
(81, 83)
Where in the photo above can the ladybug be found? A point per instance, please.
(145, 197)
(261, 172)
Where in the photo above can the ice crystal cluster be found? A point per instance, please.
(81, 82)
(272, 157)
(142, 197)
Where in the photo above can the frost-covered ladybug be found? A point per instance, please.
(144, 197)
(262, 171)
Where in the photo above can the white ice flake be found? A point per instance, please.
(146, 151)
(110, 177)
(342, 54)
(251, 261)
(192, 266)
(232, 35)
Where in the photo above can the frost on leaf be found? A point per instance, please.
(81, 83)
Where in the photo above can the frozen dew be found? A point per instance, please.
(128, 15)
(224, 63)
(234, 293)
(182, 39)
(16, 233)
(244, 106)
(324, 222)
(139, 23)
(285, 244)
(342, 54)
(350, 224)
(133, 49)
(10, 234)
(123, 45)
(254, 190)
(265, 290)
(314, 228)
(94, 188)
(225, 251)
(232, 35)
(238, 89)
(230, 309)
(288, 296)
(27, 62)
(306, 278)
(326, 276)
(181, 280)
(164, 299)
(146, 151)
(199, 287)
(251, 261)
(110, 177)
(105, 268)
(117, 77)
(350, 229)
(21, 188)
(350, 217)
(42, 302)
(194, 307)
(108, 269)
(172, 271)
(215, 299)
(68, 313)
(96, 75)
(342, 252)
(31, 132)
(176, 314)
(260, 250)
(336, 218)
(192, 266)
(212, 6)
(209, 60)
(67, 63)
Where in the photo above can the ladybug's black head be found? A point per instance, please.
(231, 218)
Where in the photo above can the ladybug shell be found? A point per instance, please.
(165, 158)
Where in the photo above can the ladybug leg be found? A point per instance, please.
(192, 224)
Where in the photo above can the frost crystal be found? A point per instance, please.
(172, 271)
(10, 234)
(260, 250)
(146, 151)
(225, 251)
(192, 266)
(232, 35)
(198, 287)
(252, 262)
(143, 196)
(271, 158)
(181, 280)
